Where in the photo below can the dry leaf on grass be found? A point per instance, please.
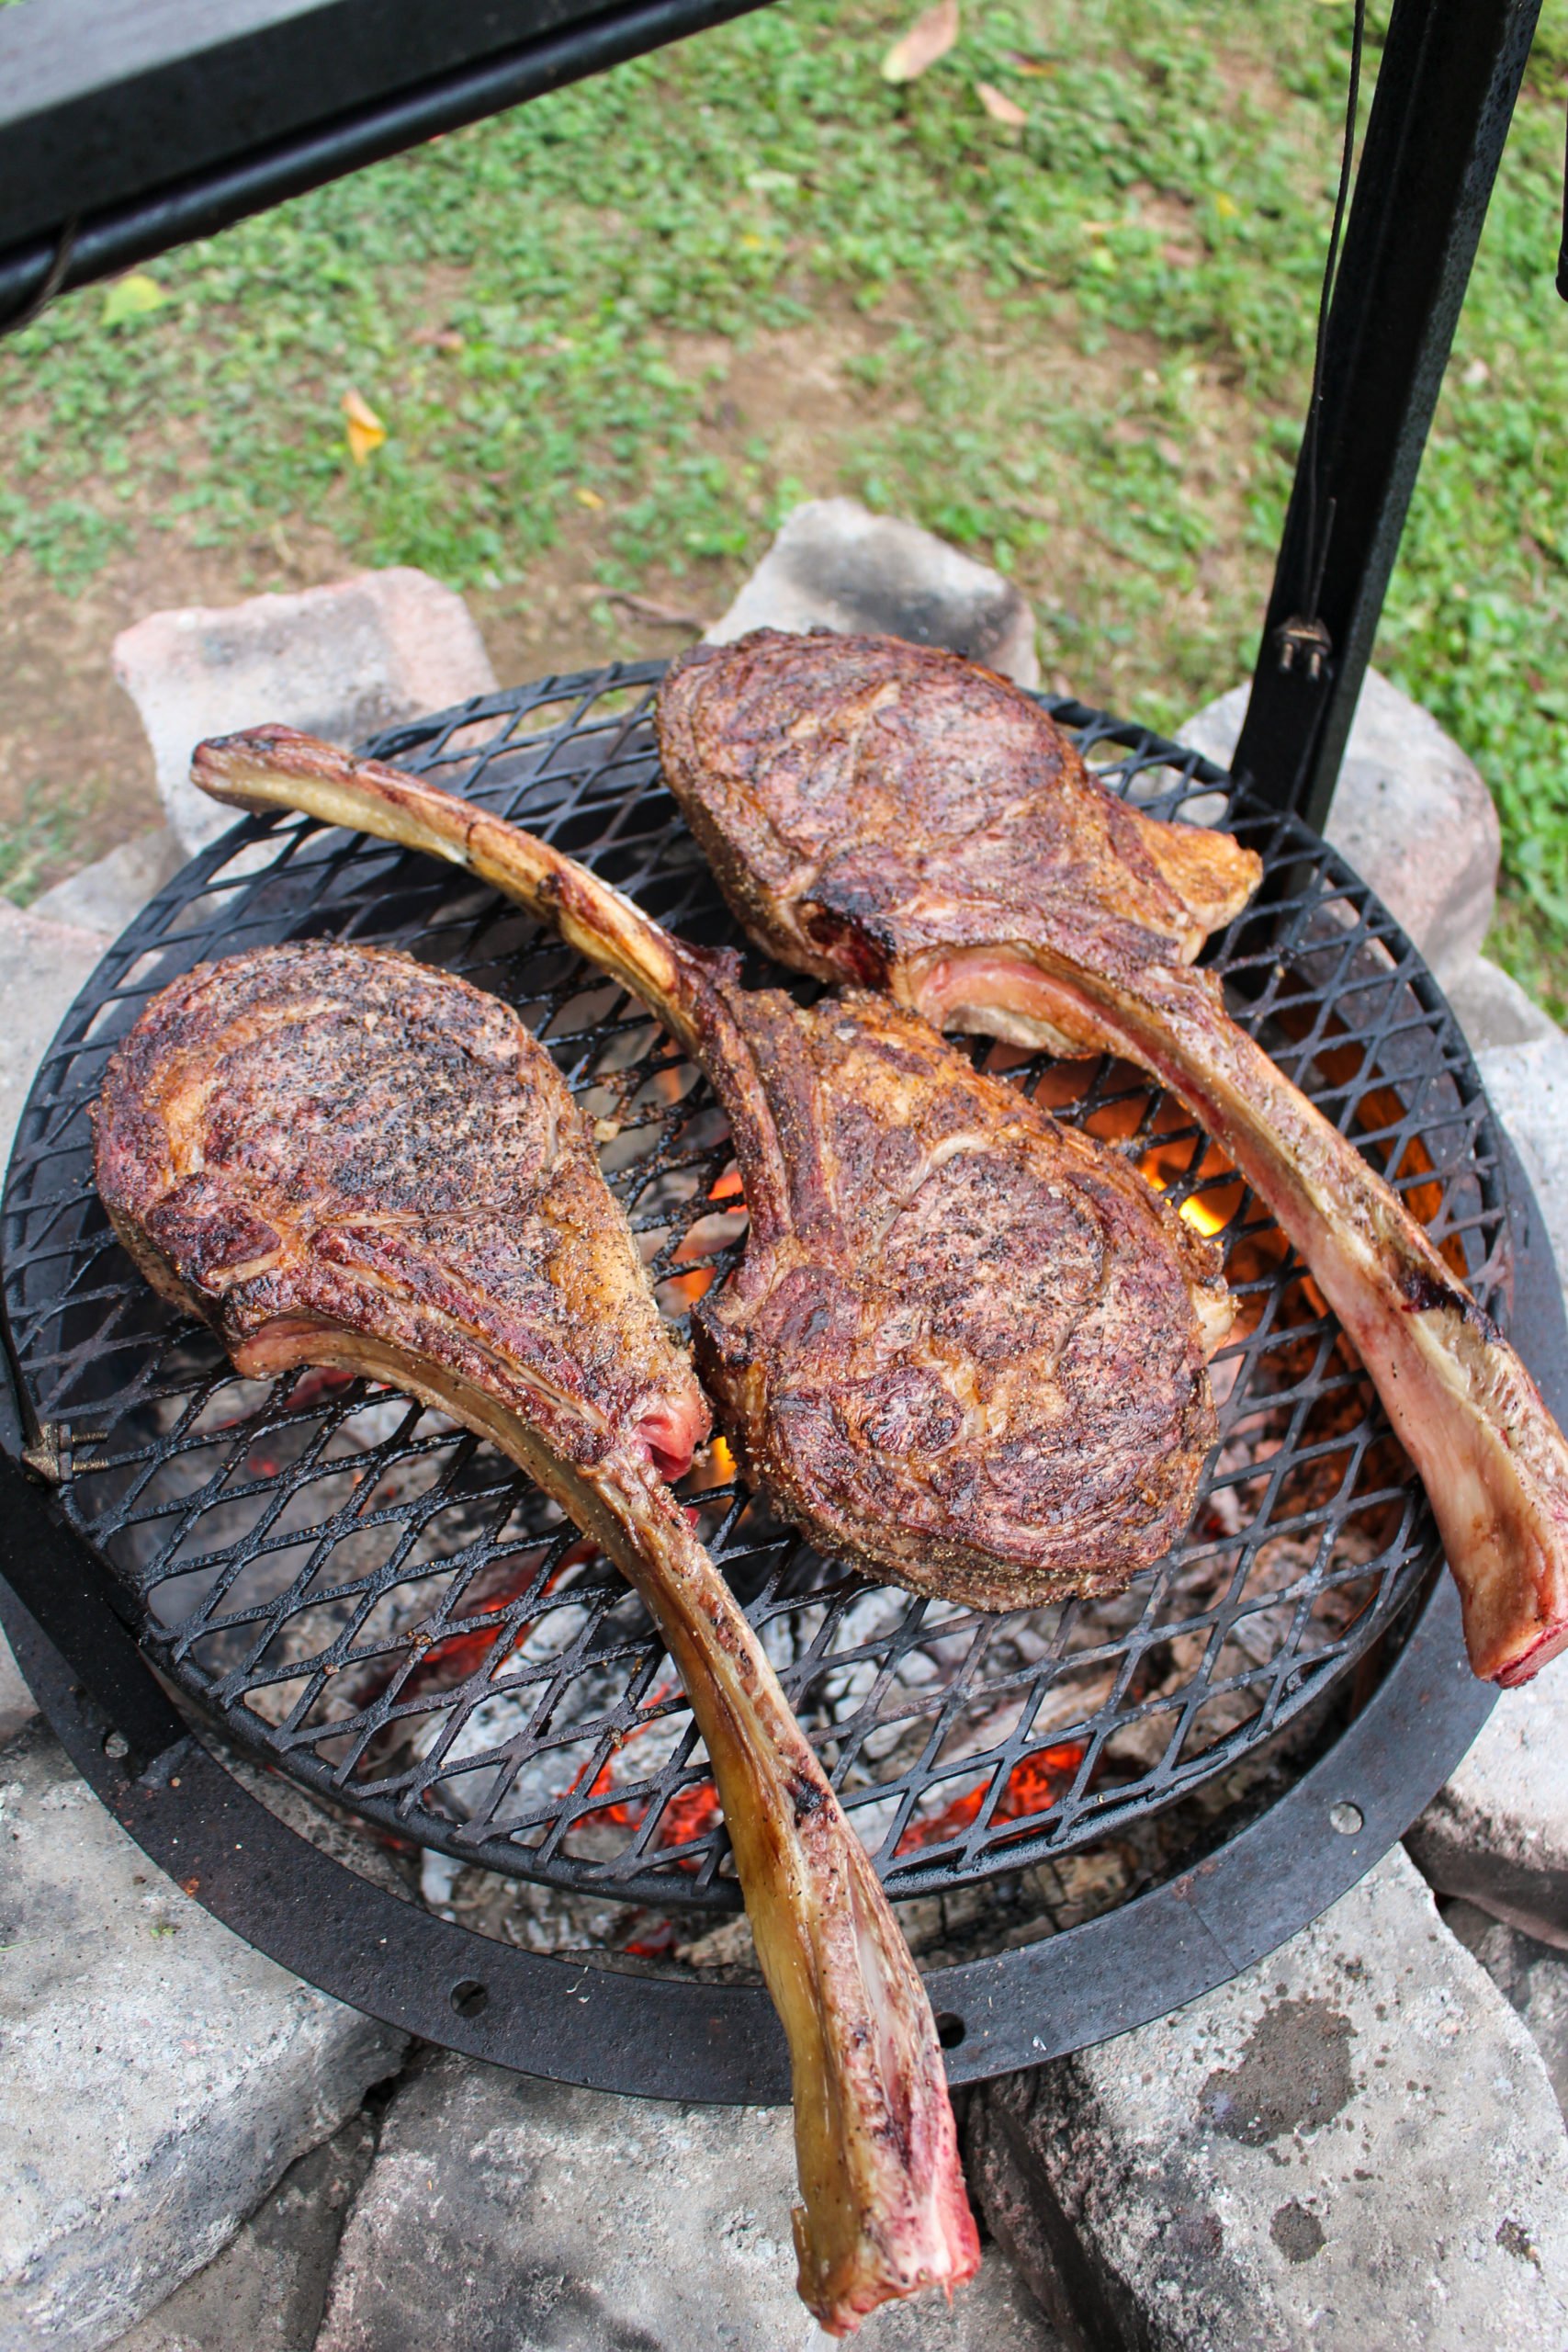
(1001, 108)
(364, 428)
(929, 38)
(133, 298)
(657, 615)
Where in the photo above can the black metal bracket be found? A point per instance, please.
(1445, 95)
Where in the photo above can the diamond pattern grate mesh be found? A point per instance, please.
(373, 1600)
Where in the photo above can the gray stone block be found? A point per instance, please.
(836, 565)
(266, 2291)
(503, 2215)
(1410, 812)
(1530, 1976)
(156, 2076)
(1497, 1833)
(17, 1702)
(1492, 1010)
(43, 965)
(110, 893)
(1528, 1088)
(1354, 2144)
(341, 661)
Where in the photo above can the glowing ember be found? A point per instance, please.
(691, 1812)
(1033, 1786)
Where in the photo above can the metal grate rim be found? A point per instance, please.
(380, 1606)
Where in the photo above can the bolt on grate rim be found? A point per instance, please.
(371, 1600)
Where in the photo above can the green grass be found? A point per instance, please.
(34, 849)
(1082, 348)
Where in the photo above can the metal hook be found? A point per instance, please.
(53, 279)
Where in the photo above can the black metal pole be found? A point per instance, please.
(1444, 96)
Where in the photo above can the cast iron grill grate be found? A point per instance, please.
(365, 1595)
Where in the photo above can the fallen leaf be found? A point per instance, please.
(929, 38)
(999, 107)
(587, 497)
(1034, 66)
(657, 615)
(1226, 207)
(133, 298)
(366, 430)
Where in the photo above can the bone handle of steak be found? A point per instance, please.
(1493, 1463)
(883, 2210)
(276, 767)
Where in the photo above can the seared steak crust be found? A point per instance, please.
(967, 1348)
(316, 1135)
(850, 791)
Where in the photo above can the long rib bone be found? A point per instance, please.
(338, 1156)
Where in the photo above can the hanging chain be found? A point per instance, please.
(1304, 640)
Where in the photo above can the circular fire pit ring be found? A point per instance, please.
(362, 1597)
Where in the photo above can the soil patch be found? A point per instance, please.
(75, 771)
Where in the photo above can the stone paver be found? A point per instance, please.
(1497, 1833)
(1530, 1975)
(43, 966)
(508, 2215)
(1528, 1088)
(267, 2289)
(106, 895)
(341, 662)
(156, 2076)
(1411, 812)
(1354, 2144)
(16, 1703)
(1492, 1010)
(836, 565)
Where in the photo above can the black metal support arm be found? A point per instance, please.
(1445, 95)
(202, 201)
